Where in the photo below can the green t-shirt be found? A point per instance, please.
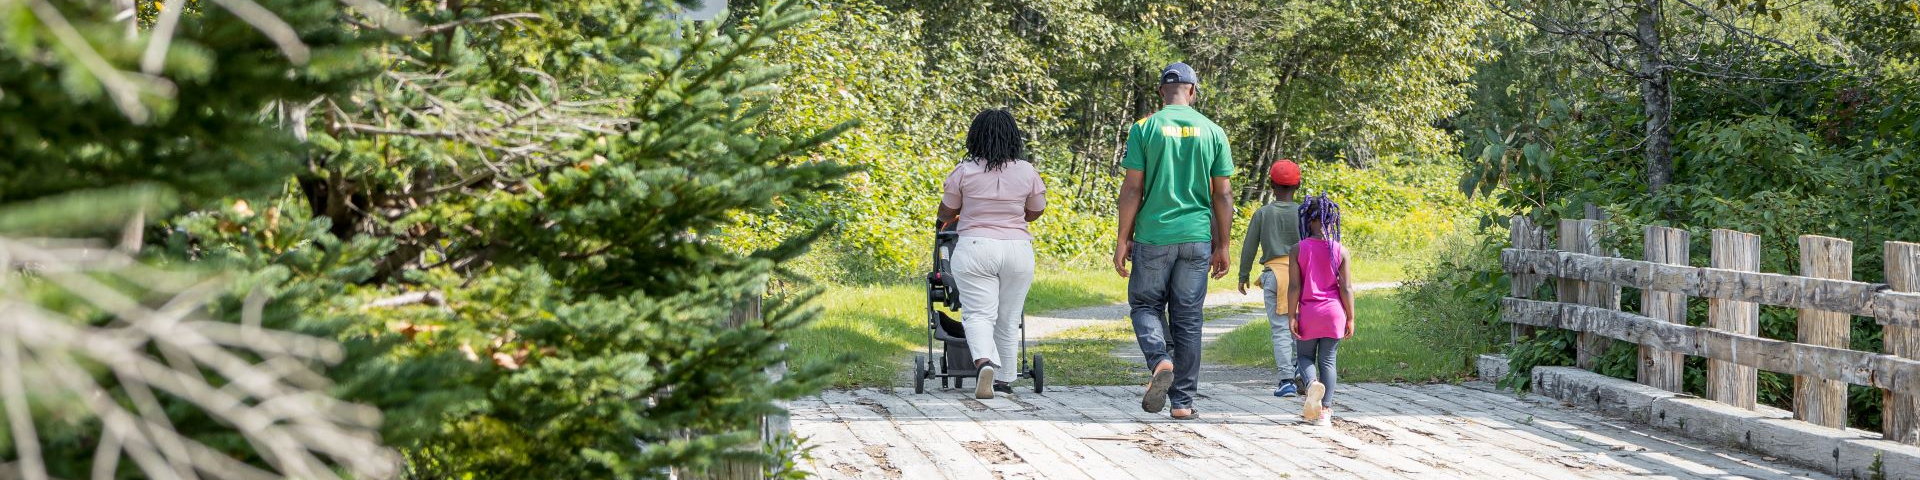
(1179, 151)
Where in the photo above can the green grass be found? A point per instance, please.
(1217, 312)
(1084, 356)
(1379, 351)
(1367, 269)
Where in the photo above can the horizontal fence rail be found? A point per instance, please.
(1844, 296)
(1587, 280)
(1851, 366)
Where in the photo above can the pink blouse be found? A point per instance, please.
(994, 203)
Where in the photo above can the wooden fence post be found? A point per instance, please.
(1580, 236)
(1823, 402)
(773, 426)
(1900, 414)
(1728, 382)
(1525, 236)
(1662, 369)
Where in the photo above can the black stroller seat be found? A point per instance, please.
(943, 297)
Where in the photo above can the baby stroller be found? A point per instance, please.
(956, 364)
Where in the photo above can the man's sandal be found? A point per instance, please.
(1156, 397)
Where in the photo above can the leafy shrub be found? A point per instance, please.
(1396, 209)
(1456, 287)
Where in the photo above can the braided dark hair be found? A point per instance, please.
(1325, 210)
(995, 139)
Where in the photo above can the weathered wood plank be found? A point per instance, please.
(1659, 368)
(1194, 449)
(1816, 399)
(1025, 430)
(945, 438)
(1860, 368)
(836, 453)
(1241, 461)
(1514, 447)
(1727, 382)
(1091, 429)
(1050, 451)
(1653, 450)
(1538, 447)
(1844, 296)
(880, 440)
(1436, 445)
(1900, 412)
(1288, 429)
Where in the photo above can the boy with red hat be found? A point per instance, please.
(1272, 235)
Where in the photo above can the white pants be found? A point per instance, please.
(994, 276)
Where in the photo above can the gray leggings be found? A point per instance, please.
(1315, 362)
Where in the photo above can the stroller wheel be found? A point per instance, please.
(1039, 374)
(919, 374)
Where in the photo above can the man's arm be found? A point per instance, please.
(1222, 224)
(1131, 190)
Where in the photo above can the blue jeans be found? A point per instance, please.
(1316, 363)
(1167, 291)
(1281, 326)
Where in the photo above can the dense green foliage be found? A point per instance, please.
(1812, 135)
(1358, 83)
(505, 212)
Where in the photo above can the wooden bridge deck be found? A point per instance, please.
(1382, 432)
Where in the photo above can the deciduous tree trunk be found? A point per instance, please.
(1656, 96)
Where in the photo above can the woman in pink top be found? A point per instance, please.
(1323, 303)
(993, 194)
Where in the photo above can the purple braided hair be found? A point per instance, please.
(1322, 208)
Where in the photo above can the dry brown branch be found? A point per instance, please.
(278, 402)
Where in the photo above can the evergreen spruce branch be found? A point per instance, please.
(124, 91)
(126, 88)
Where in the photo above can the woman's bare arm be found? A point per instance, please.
(947, 214)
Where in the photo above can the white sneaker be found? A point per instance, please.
(1326, 418)
(1315, 392)
(983, 388)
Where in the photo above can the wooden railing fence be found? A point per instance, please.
(1588, 286)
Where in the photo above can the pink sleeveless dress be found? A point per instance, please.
(1321, 313)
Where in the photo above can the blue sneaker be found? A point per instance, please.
(1286, 389)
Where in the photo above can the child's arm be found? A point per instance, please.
(1248, 247)
(1346, 291)
(1293, 295)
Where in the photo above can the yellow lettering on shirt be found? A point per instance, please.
(1179, 131)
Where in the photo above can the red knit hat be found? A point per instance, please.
(1285, 172)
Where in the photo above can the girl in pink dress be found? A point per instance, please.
(1323, 303)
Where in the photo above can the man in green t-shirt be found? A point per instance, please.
(1176, 212)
